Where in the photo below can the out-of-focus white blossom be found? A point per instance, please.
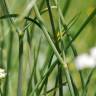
(93, 52)
(2, 73)
(85, 61)
(1, 70)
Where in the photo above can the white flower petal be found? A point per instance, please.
(93, 52)
(2, 73)
(84, 61)
(1, 70)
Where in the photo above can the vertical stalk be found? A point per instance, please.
(56, 84)
(52, 23)
(19, 89)
(64, 65)
(66, 7)
(6, 85)
(1, 44)
(57, 46)
(62, 21)
(60, 79)
(6, 12)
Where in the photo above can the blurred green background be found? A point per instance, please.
(85, 41)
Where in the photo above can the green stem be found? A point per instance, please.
(56, 44)
(66, 7)
(6, 85)
(62, 48)
(1, 43)
(69, 38)
(52, 23)
(19, 89)
(55, 50)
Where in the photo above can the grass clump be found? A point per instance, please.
(41, 41)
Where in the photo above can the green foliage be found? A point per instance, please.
(38, 39)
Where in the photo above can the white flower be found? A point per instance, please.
(2, 73)
(1, 70)
(93, 52)
(85, 61)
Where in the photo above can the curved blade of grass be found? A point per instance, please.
(27, 30)
(30, 34)
(5, 10)
(16, 15)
